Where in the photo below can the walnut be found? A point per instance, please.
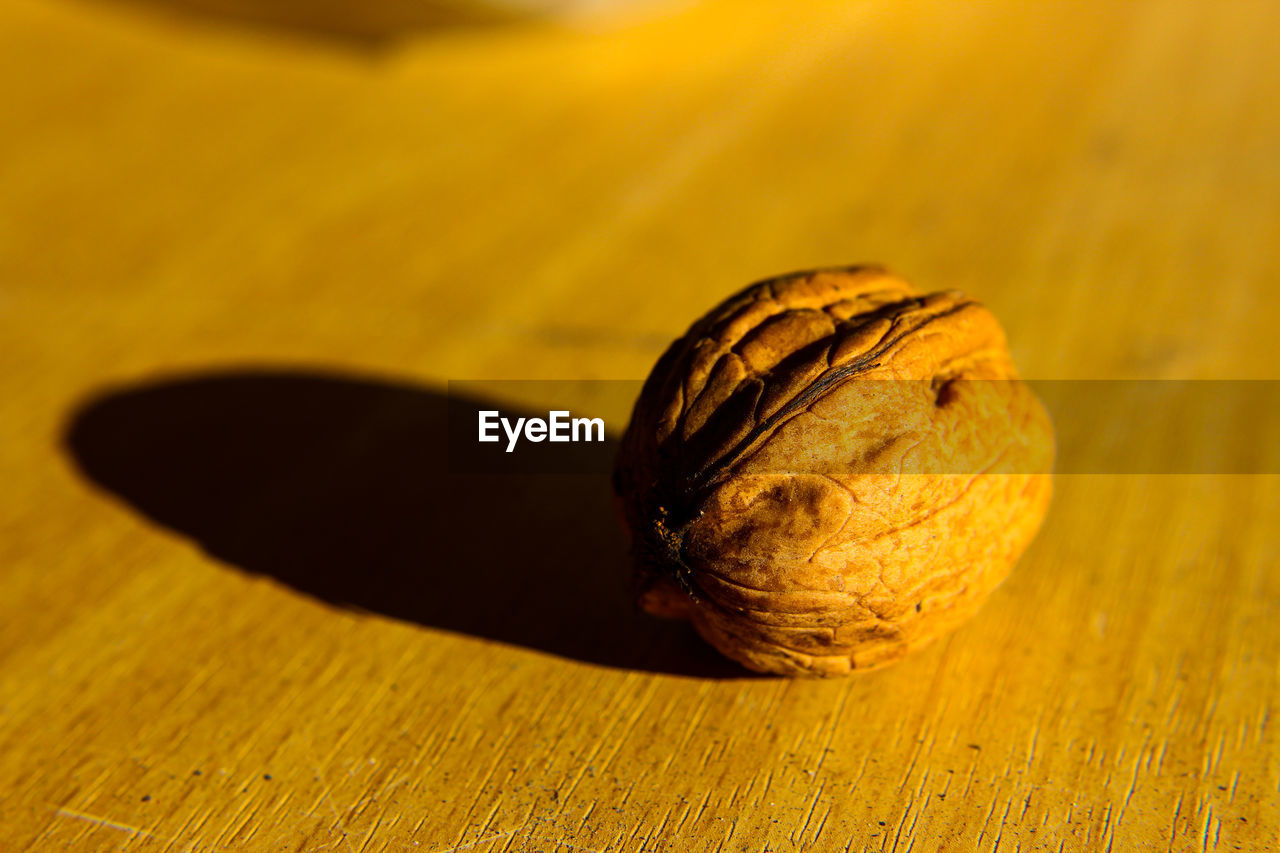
(819, 477)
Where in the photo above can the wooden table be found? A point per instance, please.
(244, 604)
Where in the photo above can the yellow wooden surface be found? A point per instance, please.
(327, 227)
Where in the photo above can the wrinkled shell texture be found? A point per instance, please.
(820, 477)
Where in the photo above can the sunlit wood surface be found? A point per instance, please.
(243, 605)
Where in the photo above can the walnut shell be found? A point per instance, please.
(812, 478)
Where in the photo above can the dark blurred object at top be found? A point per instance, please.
(374, 24)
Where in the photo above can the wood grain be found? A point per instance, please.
(243, 604)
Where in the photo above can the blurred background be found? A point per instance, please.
(525, 190)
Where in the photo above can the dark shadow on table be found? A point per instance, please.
(357, 24)
(340, 488)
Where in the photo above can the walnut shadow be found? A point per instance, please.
(340, 487)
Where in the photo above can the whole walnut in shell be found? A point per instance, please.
(830, 469)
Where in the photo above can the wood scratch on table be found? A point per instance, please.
(488, 838)
(566, 844)
(107, 822)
